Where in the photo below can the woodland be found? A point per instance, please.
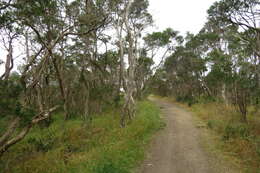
(70, 62)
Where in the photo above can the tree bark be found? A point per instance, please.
(129, 105)
(9, 63)
(10, 130)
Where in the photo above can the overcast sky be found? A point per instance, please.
(180, 15)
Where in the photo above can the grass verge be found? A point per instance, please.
(74, 147)
(238, 142)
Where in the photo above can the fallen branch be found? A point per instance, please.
(8, 143)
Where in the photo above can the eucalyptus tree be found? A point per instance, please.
(48, 27)
(131, 17)
(185, 69)
(143, 73)
(58, 26)
(81, 53)
(159, 45)
(238, 23)
(182, 72)
(162, 43)
(243, 14)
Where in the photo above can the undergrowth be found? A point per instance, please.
(76, 147)
(238, 140)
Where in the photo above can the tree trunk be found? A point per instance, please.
(223, 94)
(129, 105)
(62, 88)
(9, 59)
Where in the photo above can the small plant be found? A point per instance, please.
(257, 140)
(243, 131)
(236, 130)
(211, 124)
(109, 167)
(43, 143)
(72, 148)
(229, 132)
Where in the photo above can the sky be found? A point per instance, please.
(180, 15)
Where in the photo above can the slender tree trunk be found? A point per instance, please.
(129, 105)
(62, 88)
(86, 107)
(9, 64)
(223, 93)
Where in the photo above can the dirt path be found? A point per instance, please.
(177, 149)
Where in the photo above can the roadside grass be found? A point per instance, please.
(227, 138)
(76, 147)
(240, 142)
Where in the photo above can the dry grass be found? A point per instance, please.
(239, 142)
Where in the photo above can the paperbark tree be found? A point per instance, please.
(131, 18)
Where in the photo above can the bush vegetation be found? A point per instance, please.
(76, 146)
(238, 140)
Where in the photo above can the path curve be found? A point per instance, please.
(177, 149)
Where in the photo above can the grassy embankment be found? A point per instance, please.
(71, 146)
(238, 142)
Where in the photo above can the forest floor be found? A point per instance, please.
(179, 147)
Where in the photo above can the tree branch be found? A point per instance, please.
(41, 116)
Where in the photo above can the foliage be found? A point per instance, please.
(71, 146)
(9, 92)
(70, 59)
(221, 61)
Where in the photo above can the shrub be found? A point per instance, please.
(211, 124)
(43, 143)
(108, 167)
(186, 99)
(236, 130)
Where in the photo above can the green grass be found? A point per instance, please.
(74, 147)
